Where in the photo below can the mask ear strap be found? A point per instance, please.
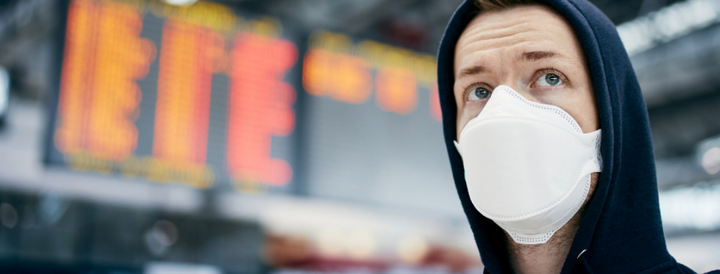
(457, 146)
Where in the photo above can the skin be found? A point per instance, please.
(519, 47)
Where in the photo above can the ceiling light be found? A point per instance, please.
(180, 2)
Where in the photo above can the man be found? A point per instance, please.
(549, 141)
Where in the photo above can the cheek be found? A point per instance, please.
(468, 113)
(583, 109)
(459, 126)
(590, 120)
(579, 103)
(462, 121)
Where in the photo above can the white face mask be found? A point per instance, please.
(527, 165)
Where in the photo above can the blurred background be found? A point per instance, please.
(286, 136)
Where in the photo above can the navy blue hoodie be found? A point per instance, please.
(621, 231)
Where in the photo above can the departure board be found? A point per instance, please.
(211, 96)
(195, 94)
(375, 134)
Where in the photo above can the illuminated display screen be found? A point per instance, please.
(207, 96)
(374, 118)
(194, 95)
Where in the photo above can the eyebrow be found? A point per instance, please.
(528, 55)
(470, 71)
(537, 55)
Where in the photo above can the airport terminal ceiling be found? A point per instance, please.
(417, 23)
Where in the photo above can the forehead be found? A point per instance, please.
(516, 30)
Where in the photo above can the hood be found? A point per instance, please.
(621, 231)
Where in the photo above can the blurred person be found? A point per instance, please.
(287, 251)
(549, 141)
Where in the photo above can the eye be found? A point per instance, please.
(478, 93)
(549, 80)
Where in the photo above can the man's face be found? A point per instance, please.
(531, 49)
